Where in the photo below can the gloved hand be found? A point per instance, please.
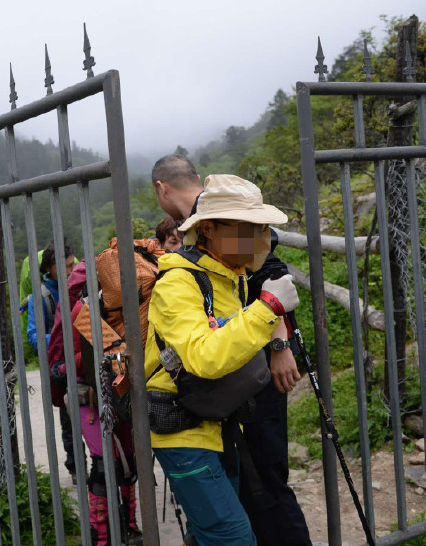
(59, 374)
(280, 295)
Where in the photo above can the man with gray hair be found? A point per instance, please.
(275, 515)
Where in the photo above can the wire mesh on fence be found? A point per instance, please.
(10, 380)
(399, 228)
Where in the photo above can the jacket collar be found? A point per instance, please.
(196, 258)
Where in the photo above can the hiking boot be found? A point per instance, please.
(133, 535)
(70, 463)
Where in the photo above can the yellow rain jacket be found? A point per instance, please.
(177, 313)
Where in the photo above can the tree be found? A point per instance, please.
(204, 159)
(278, 109)
(181, 151)
(234, 136)
(236, 142)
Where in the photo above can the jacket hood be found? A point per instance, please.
(76, 281)
(195, 258)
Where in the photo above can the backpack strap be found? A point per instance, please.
(206, 288)
(50, 306)
(142, 250)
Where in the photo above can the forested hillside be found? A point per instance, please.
(266, 153)
(35, 158)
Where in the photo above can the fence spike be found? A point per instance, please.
(48, 80)
(367, 69)
(409, 70)
(320, 68)
(13, 97)
(89, 61)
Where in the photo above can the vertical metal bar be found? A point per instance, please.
(58, 235)
(11, 154)
(64, 301)
(359, 121)
(318, 301)
(44, 370)
(390, 343)
(8, 457)
(421, 115)
(120, 186)
(18, 343)
(357, 343)
(64, 137)
(98, 353)
(418, 282)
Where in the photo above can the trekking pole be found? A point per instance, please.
(178, 512)
(164, 498)
(332, 433)
(124, 516)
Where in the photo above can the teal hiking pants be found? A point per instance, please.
(199, 482)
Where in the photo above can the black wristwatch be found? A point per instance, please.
(279, 344)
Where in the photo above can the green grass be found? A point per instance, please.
(304, 421)
(32, 364)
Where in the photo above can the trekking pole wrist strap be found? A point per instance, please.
(273, 302)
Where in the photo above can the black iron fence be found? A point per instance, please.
(115, 168)
(310, 158)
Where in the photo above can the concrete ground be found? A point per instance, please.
(170, 534)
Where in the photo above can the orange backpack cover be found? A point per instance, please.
(146, 254)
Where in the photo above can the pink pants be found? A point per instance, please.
(93, 436)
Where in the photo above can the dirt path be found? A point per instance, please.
(309, 489)
(307, 484)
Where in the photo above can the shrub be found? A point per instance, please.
(71, 520)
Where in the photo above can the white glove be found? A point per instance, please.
(280, 295)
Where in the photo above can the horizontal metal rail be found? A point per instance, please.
(48, 103)
(86, 173)
(369, 154)
(397, 537)
(356, 88)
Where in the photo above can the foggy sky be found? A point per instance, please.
(188, 68)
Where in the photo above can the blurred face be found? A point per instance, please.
(233, 241)
(69, 264)
(173, 241)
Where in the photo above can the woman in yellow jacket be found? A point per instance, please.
(228, 232)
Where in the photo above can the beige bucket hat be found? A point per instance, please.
(230, 197)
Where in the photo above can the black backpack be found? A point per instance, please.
(217, 399)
